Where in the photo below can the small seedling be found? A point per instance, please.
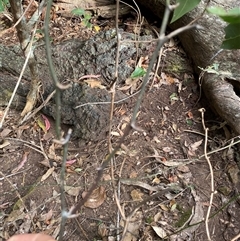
(85, 16)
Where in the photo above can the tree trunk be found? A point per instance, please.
(203, 47)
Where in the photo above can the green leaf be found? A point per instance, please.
(232, 37)
(184, 7)
(189, 122)
(87, 16)
(78, 11)
(138, 72)
(1, 6)
(87, 23)
(231, 16)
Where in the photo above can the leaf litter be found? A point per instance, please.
(145, 171)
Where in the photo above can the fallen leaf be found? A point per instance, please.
(156, 139)
(159, 231)
(5, 132)
(4, 144)
(183, 169)
(21, 164)
(103, 231)
(4, 205)
(156, 180)
(41, 124)
(114, 133)
(190, 115)
(70, 162)
(136, 195)
(166, 149)
(72, 191)
(173, 179)
(96, 28)
(157, 216)
(133, 174)
(96, 199)
(164, 207)
(47, 122)
(193, 147)
(93, 83)
(52, 154)
(47, 174)
(133, 227)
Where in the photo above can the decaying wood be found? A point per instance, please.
(74, 59)
(99, 8)
(203, 47)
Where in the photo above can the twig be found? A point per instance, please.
(107, 102)
(36, 14)
(30, 145)
(158, 194)
(57, 84)
(18, 21)
(202, 110)
(201, 14)
(17, 193)
(117, 198)
(236, 237)
(36, 110)
(62, 183)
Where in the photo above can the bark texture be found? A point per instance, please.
(203, 47)
(74, 59)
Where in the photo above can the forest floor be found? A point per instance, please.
(160, 176)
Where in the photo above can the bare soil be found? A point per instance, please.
(168, 153)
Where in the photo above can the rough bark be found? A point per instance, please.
(203, 47)
(74, 59)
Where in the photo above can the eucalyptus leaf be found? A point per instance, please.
(184, 7)
(232, 37)
(231, 16)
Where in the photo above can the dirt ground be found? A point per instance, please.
(157, 186)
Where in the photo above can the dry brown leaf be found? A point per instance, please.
(164, 207)
(157, 216)
(48, 216)
(31, 97)
(193, 147)
(156, 180)
(5, 132)
(136, 195)
(21, 164)
(166, 149)
(47, 174)
(103, 231)
(52, 154)
(183, 169)
(133, 174)
(93, 83)
(4, 144)
(133, 227)
(115, 133)
(96, 199)
(73, 191)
